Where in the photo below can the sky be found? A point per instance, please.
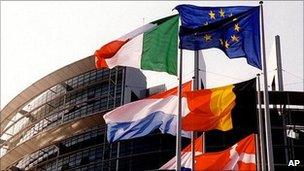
(38, 38)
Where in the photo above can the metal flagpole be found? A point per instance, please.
(266, 100)
(193, 136)
(196, 86)
(179, 116)
(258, 157)
(196, 70)
(117, 156)
(279, 62)
(261, 127)
(280, 85)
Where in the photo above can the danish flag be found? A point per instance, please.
(240, 156)
(186, 157)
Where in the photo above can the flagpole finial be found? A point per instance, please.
(261, 2)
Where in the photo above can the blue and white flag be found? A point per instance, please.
(139, 118)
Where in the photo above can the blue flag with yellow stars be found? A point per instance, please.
(235, 30)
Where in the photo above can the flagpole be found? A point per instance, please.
(257, 152)
(281, 88)
(179, 116)
(266, 100)
(195, 86)
(198, 87)
(261, 126)
(192, 135)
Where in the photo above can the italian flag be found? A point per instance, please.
(150, 47)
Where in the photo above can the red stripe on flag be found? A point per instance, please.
(185, 88)
(107, 51)
(241, 156)
(212, 161)
(200, 116)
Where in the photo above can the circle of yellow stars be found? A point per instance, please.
(233, 38)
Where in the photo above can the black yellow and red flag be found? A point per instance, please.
(224, 108)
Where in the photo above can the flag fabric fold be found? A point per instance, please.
(240, 156)
(150, 47)
(142, 117)
(203, 110)
(235, 30)
(221, 108)
(186, 156)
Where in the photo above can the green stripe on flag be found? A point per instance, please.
(160, 46)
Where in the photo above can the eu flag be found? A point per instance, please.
(235, 30)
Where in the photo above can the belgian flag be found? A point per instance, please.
(229, 111)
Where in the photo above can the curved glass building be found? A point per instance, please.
(57, 124)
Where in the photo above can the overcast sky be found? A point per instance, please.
(38, 38)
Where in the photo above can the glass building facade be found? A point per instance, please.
(91, 151)
(79, 100)
(287, 126)
(91, 93)
(84, 95)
